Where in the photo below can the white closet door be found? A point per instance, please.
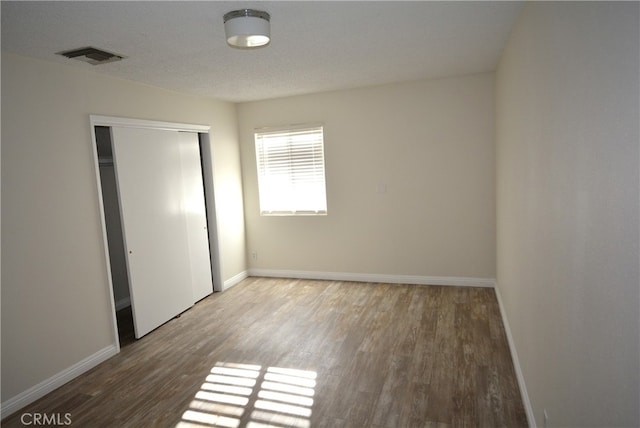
(149, 177)
(196, 215)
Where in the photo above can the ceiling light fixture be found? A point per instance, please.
(247, 28)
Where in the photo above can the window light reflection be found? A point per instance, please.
(283, 408)
(309, 383)
(209, 407)
(253, 424)
(283, 398)
(252, 374)
(240, 381)
(222, 398)
(240, 366)
(230, 389)
(292, 389)
(293, 372)
(207, 418)
(280, 419)
(287, 398)
(185, 424)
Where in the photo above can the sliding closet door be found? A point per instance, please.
(196, 215)
(150, 187)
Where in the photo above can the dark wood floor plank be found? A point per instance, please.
(364, 355)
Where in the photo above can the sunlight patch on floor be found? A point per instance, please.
(272, 397)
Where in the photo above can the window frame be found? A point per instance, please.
(261, 136)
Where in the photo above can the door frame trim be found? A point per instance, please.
(214, 249)
(97, 120)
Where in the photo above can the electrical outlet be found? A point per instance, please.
(254, 255)
(546, 418)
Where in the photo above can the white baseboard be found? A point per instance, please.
(27, 397)
(234, 280)
(516, 363)
(380, 278)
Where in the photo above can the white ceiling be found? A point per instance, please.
(316, 45)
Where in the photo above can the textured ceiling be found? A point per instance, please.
(316, 45)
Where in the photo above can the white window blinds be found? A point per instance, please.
(291, 176)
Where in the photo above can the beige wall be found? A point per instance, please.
(567, 209)
(55, 296)
(430, 142)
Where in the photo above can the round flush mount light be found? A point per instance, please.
(247, 28)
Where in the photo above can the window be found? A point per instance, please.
(291, 177)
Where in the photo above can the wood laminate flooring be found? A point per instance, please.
(303, 353)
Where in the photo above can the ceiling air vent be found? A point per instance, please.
(91, 55)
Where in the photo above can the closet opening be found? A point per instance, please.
(156, 193)
(115, 244)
